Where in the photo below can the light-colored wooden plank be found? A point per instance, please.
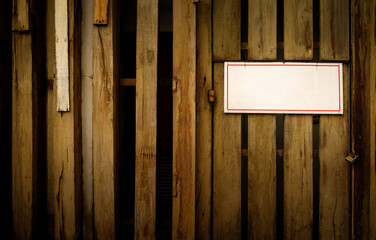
(21, 15)
(62, 58)
(105, 123)
(226, 30)
(146, 119)
(87, 118)
(67, 140)
(298, 180)
(334, 30)
(101, 8)
(226, 166)
(262, 183)
(204, 121)
(360, 116)
(334, 144)
(262, 29)
(184, 118)
(298, 28)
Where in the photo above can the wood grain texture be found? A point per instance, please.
(21, 15)
(298, 180)
(334, 30)
(262, 183)
(262, 29)
(67, 161)
(105, 124)
(101, 8)
(184, 118)
(146, 119)
(360, 115)
(226, 30)
(334, 144)
(204, 121)
(298, 29)
(226, 166)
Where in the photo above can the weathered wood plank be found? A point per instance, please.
(67, 160)
(146, 118)
(204, 121)
(226, 30)
(298, 182)
(334, 144)
(262, 29)
(334, 30)
(105, 123)
(262, 206)
(101, 8)
(226, 166)
(360, 115)
(184, 118)
(21, 15)
(298, 28)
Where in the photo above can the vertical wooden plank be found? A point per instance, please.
(146, 119)
(87, 118)
(298, 185)
(67, 138)
(334, 144)
(262, 183)
(105, 123)
(334, 30)
(226, 30)
(21, 15)
(226, 166)
(262, 206)
(101, 8)
(360, 115)
(184, 118)
(262, 29)
(372, 221)
(298, 29)
(204, 121)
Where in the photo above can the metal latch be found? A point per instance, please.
(211, 96)
(351, 158)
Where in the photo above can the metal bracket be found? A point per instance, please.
(351, 158)
(211, 96)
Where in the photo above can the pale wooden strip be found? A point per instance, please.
(298, 28)
(298, 182)
(101, 8)
(334, 30)
(334, 144)
(262, 206)
(262, 29)
(204, 121)
(227, 167)
(105, 124)
(146, 119)
(62, 58)
(184, 118)
(226, 30)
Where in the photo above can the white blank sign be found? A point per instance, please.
(276, 87)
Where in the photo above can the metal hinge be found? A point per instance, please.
(351, 158)
(211, 96)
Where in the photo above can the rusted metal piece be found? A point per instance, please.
(211, 96)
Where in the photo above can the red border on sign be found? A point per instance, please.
(287, 65)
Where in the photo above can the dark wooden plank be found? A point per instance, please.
(184, 118)
(262, 29)
(360, 116)
(105, 123)
(204, 121)
(101, 8)
(298, 181)
(334, 144)
(146, 119)
(334, 30)
(227, 166)
(21, 15)
(226, 30)
(298, 28)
